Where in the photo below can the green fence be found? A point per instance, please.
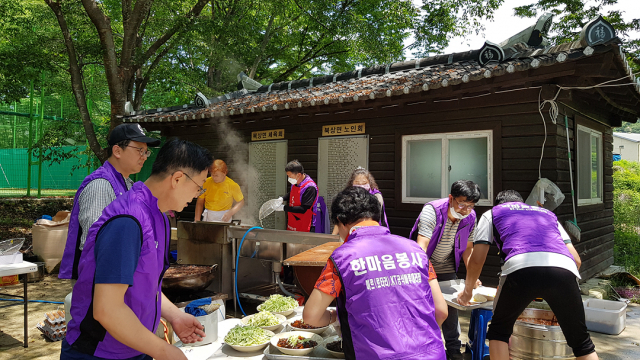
(47, 126)
(56, 178)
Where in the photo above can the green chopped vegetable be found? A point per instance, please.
(293, 340)
(279, 303)
(247, 336)
(263, 318)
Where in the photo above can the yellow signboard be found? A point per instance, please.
(343, 129)
(267, 135)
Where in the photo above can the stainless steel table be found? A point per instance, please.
(23, 269)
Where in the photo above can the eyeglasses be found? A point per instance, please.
(464, 206)
(201, 191)
(142, 151)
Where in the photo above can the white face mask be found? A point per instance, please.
(292, 181)
(456, 214)
(365, 186)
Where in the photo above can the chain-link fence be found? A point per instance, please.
(43, 147)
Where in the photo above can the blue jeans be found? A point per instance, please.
(451, 326)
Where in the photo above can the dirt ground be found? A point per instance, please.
(625, 346)
(11, 320)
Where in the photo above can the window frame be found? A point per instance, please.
(446, 162)
(599, 135)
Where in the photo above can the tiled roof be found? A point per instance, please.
(628, 136)
(413, 76)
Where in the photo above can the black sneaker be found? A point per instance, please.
(454, 355)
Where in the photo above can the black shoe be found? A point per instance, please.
(454, 355)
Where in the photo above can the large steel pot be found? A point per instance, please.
(189, 278)
(531, 341)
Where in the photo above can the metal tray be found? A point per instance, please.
(319, 353)
(450, 287)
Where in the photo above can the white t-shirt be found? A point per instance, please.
(484, 235)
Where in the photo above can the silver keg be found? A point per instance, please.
(531, 341)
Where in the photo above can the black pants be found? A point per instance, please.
(555, 285)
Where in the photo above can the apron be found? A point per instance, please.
(208, 215)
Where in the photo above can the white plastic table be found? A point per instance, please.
(217, 349)
(23, 269)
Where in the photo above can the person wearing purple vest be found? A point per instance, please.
(361, 177)
(540, 262)
(389, 303)
(127, 153)
(445, 231)
(118, 301)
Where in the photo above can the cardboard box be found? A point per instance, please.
(9, 280)
(50, 238)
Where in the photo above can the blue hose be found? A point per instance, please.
(35, 301)
(237, 259)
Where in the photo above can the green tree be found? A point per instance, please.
(131, 38)
(626, 214)
(156, 53)
(572, 15)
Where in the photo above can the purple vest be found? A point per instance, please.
(383, 216)
(385, 307)
(71, 255)
(144, 298)
(523, 229)
(465, 227)
(308, 182)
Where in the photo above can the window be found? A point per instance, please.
(432, 162)
(589, 166)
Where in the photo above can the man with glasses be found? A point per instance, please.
(450, 223)
(118, 301)
(127, 153)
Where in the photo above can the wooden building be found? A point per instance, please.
(420, 125)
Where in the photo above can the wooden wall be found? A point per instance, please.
(518, 134)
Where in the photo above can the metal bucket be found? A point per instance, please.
(538, 342)
(38, 275)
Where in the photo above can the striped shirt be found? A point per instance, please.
(92, 200)
(443, 257)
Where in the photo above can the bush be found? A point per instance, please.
(626, 213)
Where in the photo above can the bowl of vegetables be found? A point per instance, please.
(265, 320)
(248, 338)
(278, 304)
(333, 344)
(296, 324)
(296, 342)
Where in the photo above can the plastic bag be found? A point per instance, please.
(268, 208)
(545, 194)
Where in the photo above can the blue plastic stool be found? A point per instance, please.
(478, 333)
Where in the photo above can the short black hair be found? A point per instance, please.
(183, 155)
(353, 204)
(122, 144)
(466, 188)
(506, 196)
(295, 167)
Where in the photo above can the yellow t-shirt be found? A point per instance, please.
(219, 197)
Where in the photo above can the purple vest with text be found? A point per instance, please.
(385, 308)
(523, 229)
(144, 297)
(71, 255)
(465, 227)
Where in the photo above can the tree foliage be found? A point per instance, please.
(572, 15)
(626, 214)
(156, 53)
